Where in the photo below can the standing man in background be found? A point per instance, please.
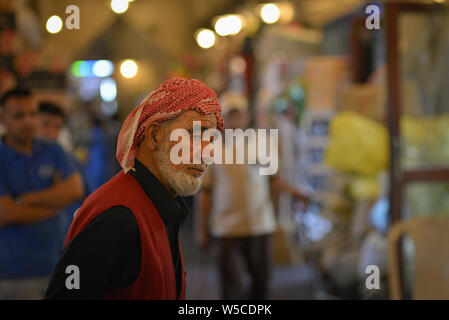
(52, 120)
(36, 182)
(236, 209)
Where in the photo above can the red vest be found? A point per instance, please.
(156, 279)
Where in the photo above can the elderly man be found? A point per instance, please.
(123, 242)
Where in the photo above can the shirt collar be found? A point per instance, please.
(35, 149)
(173, 210)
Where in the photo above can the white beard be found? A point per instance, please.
(182, 183)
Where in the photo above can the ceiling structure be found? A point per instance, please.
(162, 27)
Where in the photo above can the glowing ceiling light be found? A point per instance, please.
(128, 68)
(54, 24)
(235, 24)
(205, 38)
(270, 13)
(103, 68)
(108, 89)
(221, 26)
(119, 6)
(228, 25)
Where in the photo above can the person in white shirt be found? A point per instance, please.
(237, 211)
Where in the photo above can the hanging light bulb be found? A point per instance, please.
(119, 6)
(54, 24)
(270, 13)
(128, 68)
(205, 38)
(228, 25)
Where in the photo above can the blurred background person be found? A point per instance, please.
(236, 209)
(102, 136)
(52, 120)
(37, 181)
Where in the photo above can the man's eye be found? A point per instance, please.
(213, 138)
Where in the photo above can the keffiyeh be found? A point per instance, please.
(168, 100)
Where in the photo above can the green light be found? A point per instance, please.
(75, 69)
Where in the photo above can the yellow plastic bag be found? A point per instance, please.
(357, 144)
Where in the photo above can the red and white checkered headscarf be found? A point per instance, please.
(168, 100)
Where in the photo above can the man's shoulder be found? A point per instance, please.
(117, 215)
(114, 221)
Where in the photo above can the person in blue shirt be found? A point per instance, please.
(52, 119)
(97, 153)
(36, 181)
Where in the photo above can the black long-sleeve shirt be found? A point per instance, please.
(107, 251)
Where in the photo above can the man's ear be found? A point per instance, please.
(153, 135)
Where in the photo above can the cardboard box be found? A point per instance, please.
(325, 76)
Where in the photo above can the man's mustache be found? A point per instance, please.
(200, 167)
